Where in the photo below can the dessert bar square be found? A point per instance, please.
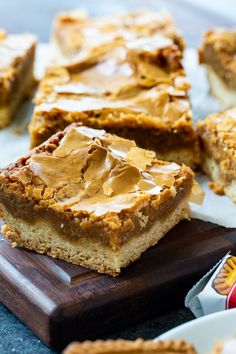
(135, 87)
(218, 53)
(139, 346)
(17, 53)
(92, 198)
(218, 143)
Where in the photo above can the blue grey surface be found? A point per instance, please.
(18, 339)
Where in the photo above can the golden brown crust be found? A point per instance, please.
(132, 347)
(218, 50)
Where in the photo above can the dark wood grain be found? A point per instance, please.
(61, 302)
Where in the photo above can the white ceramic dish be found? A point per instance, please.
(206, 331)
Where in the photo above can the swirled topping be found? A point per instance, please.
(90, 38)
(97, 172)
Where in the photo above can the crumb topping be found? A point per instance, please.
(96, 172)
(133, 347)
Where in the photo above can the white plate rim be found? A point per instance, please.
(192, 323)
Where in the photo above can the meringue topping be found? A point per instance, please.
(97, 172)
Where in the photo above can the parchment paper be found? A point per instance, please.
(14, 141)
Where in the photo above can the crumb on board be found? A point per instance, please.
(216, 188)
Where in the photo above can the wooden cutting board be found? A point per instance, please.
(61, 302)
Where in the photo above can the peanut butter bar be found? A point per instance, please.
(92, 198)
(218, 142)
(133, 86)
(218, 53)
(16, 72)
(138, 346)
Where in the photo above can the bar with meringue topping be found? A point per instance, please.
(122, 74)
(92, 198)
(17, 52)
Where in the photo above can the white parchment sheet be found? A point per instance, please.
(14, 141)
